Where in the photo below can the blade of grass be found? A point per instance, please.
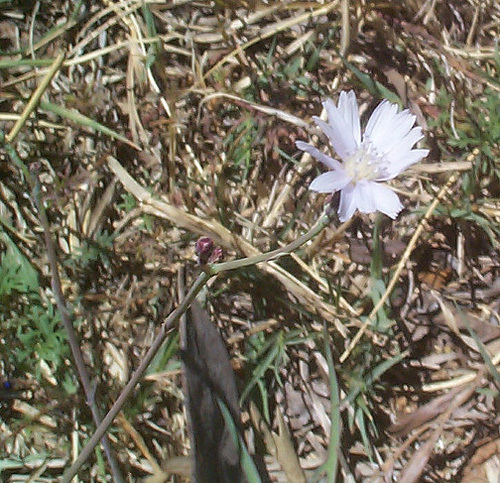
(58, 30)
(331, 464)
(82, 120)
(363, 430)
(375, 374)
(154, 48)
(260, 370)
(247, 464)
(374, 87)
(35, 98)
(482, 349)
(15, 63)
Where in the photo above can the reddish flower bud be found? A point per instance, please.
(217, 255)
(204, 248)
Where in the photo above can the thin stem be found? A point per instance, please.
(203, 278)
(268, 256)
(63, 309)
(401, 265)
(73, 342)
(136, 376)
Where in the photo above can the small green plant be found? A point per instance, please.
(240, 144)
(86, 261)
(362, 384)
(291, 77)
(473, 130)
(95, 250)
(128, 202)
(29, 322)
(266, 356)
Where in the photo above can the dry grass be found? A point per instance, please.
(164, 121)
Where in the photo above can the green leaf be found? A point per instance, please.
(247, 464)
(331, 464)
(482, 349)
(374, 87)
(82, 120)
(16, 272)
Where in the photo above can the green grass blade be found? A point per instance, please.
(247, 464)
(154, 48)
(13, 64)
(261, 369)
(482, 350)
(331, 464)
(374, 87)
(85, 121)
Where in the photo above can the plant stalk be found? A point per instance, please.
(209, 272)
(63, 310)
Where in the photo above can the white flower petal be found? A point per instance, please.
(368, 197)
(348, 105)
(404, 123)
(348, 201)
(365, 201)
(316, 153)
(330, 182)
(399, 128)
(407, 142)
(402, 155)
(380, 124)
(360, 197)
(339, 137)
(343, 127)
(402, 162)
(386, 201)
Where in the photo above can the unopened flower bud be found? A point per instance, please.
(204, 248)
(216, 256)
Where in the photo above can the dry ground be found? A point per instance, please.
(167, 121)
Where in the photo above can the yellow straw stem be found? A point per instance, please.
(35, 98)
(399, 268)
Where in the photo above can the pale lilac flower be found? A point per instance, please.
(384, 151)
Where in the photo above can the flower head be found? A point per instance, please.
(384, 151)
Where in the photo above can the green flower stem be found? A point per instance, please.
(203, 278)
(272, 255)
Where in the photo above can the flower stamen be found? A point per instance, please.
(364, 163)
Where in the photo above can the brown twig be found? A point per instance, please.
(63, 309)
(136, 376)
(73, 342)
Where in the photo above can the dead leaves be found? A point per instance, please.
(279, 444)
(484, 466)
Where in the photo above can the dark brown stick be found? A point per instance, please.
(73, 342)
(62, 307)
(136, 376)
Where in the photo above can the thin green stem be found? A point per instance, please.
(136, 376)
(203, 278)
(272, 255)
